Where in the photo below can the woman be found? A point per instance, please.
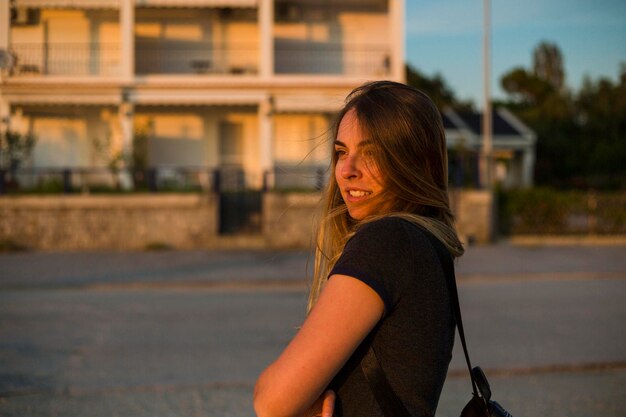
(378, 281)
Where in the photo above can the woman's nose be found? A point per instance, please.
(350, 167)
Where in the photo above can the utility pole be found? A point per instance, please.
(486, 169)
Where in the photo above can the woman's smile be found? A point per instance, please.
(355, 194)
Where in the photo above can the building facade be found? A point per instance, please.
(231, 86)
(513, 148)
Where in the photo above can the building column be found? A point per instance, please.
(5, 25)
(266, 136)
(5, 33)
(528, 166)
(266, 38)
(127, 48)
(396, 41)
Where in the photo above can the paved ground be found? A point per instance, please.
(186, 333)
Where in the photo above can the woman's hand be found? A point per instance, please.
(324, 406)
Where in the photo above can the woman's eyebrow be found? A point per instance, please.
(360, 145)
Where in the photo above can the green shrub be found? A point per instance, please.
(549, 211)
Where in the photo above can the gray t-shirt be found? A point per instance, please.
(414, 339)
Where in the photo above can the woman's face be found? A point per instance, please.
(358, 178)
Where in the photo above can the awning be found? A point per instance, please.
(197, 3)
(195, 98)
(308, 104)
(62, 100)
(76, 4)
(108, 4)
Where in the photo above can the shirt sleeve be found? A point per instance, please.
(379, 255)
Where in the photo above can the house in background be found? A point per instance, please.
(513, 145)
(241, 90)
(243, 87)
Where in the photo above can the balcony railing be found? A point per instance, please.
(163, 57)
(335, 59)
(166, 57)
(181, 57)
(66, 58)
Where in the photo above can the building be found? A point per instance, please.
(244, 88)
(513, 148)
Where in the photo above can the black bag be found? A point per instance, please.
(480, 405)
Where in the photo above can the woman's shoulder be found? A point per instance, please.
(396, 235)
(394, 226)
(384, 229)
(383, 223)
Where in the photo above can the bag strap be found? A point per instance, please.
(388, 401)
(386, 397)
(448, 269)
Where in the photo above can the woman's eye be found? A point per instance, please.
(369, 153)
(339, 152)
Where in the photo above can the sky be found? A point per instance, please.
(446, 37)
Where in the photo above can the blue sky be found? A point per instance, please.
(445, 36)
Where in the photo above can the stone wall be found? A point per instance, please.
(136, 222)
(474, 211)
(289, 218)
(108, 222)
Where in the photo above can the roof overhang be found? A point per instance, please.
(196, 3)
(67, 99)
(69, 4)
(114, 4)
(194, 97)
(307, 104)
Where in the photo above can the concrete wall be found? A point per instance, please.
(108, 222)
(474, 213)
(289, 219)
(137, 222)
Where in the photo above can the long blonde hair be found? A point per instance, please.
(406, 127)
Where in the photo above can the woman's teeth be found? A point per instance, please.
(355, 193)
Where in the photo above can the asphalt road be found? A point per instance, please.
(187, 333)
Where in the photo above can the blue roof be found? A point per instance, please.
(501, 127)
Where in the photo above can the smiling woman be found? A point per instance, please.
(378, 281)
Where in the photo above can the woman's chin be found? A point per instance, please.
(358, 213)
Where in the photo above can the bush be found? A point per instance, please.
(546, 211)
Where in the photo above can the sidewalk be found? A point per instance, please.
(265, 268)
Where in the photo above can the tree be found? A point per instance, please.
(117, 161)
(436, 88)
(526, 87)
(601, 116)
(581, 137)
(548, 65)
(15, 149)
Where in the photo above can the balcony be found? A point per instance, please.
(180, 57)
(331, 59)
(101, 59)
(198, 58)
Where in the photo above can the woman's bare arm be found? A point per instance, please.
(323, 407)
(346, 311)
